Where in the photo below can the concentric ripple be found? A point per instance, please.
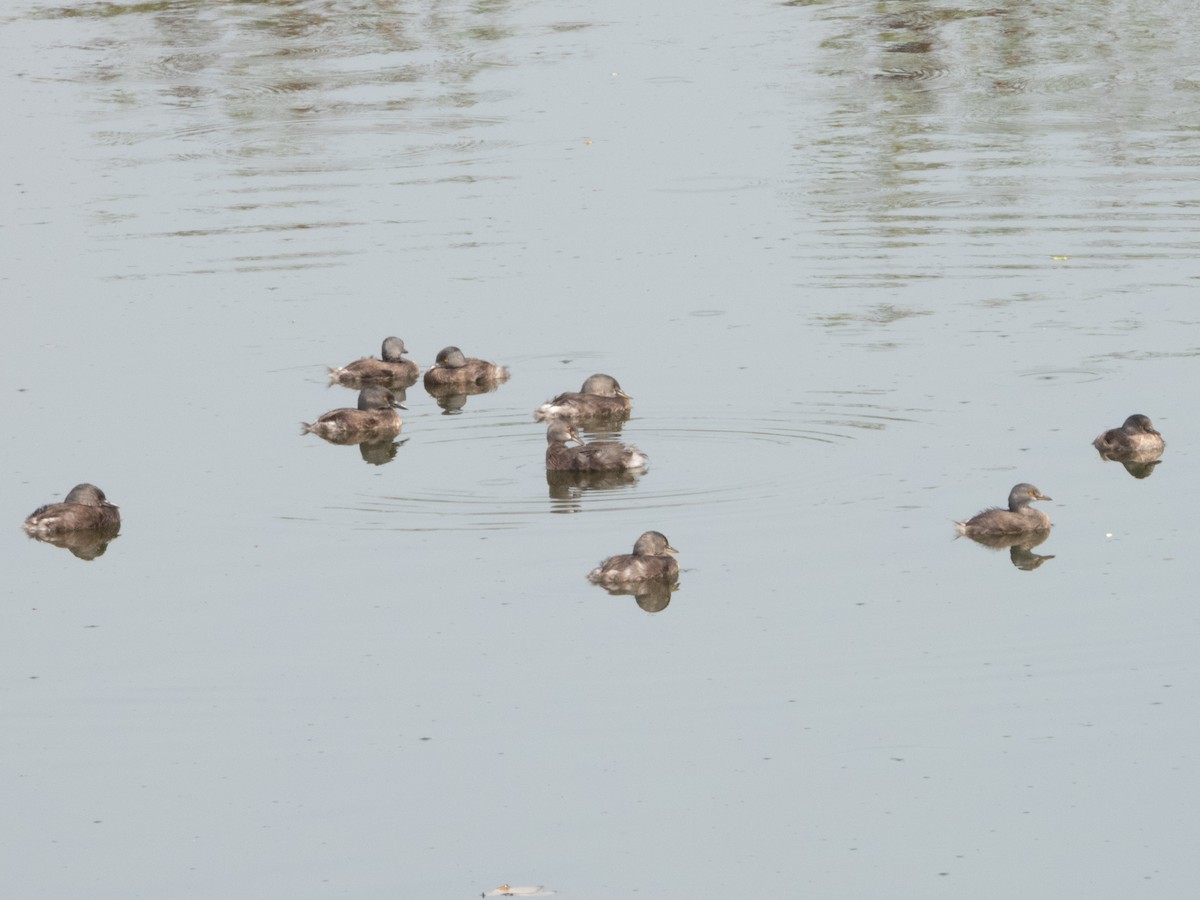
(745, 466)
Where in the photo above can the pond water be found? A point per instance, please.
(862, 266)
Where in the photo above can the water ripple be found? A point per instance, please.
(748, 466)
(915, 73)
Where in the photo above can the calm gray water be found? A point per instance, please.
(863, 267)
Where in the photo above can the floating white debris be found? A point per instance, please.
(527, 890)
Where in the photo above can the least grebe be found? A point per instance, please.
(376, 416)
(599, 456)
(1018, 518)
(85, 508)
(452, 368)
(390, 369)
(600, 397)
(651, 558)
(1137, 437)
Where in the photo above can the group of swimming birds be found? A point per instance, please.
(1135, 443)
(86, 519)
(86, 512)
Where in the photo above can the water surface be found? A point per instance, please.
(862, 266)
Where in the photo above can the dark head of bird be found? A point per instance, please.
(1138, 424)
(603, 386)
(376, 397)
(561, 432)
(451, 358)
(393, 350)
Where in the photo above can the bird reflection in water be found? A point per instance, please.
(570, 487)
(1138, 468)
(375, 450)
(379, 453)
(453, 397)
(1020, 547)
(652, 596)
(86, 545)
